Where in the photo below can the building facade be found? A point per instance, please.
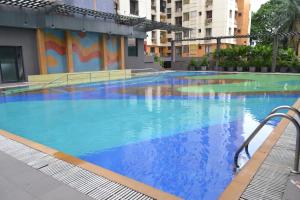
(208, 18)
(46, 37)
(156, 42)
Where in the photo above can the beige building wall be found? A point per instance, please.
(209, 18)
(156, 40)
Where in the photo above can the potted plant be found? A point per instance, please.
(287, 58)
(284, 65)
(252, 65)
(192, 64)
(203, 63)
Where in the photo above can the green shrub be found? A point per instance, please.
(203, 61)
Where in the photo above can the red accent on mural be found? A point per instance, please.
(82, 54)
(60, 49)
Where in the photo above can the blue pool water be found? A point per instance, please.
(145, 129)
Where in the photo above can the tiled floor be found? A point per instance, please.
(271, 179)
(26, 173)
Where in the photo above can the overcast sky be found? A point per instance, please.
(256, 4)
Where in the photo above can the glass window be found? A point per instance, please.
(208, 32)
(186, 49)
(132, 47)
(209, 14)
(186, 16)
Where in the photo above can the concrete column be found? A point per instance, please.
(173, 52)
(218, 52)
(122, 53)
(103, 50)
(40, 38)
(69, 52)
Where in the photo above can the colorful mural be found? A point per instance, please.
(112, 51)
(86, 51)
(55, 46)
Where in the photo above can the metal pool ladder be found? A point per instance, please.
(272, 115)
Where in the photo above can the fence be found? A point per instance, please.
(184, 50)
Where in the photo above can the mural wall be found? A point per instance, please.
(86, 51)
(55, 45)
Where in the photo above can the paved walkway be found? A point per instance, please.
(28, 174)
(19, 181)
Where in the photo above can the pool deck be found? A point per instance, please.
(267, 173)
(37, 172)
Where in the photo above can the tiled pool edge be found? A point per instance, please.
(240, 182)
(102, 172)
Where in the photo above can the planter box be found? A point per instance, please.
(230, 69)
(264, 69)
(215, 68)
(252, 69)
(283, 69)
(203, 68)
(240, 69)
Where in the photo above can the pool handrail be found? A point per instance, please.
(261, 125)
(285, 107)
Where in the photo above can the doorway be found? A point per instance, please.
(11, 64)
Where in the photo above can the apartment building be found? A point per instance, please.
(208, 18)
(156, 41)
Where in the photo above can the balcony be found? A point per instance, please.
(178, 10)
(208, 21)
(208, 3)
(154, 41)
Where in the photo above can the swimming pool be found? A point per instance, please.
(175, 131)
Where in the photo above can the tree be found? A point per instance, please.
(263, 22)
(288, 19)
(277, 16)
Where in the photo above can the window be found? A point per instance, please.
(229, 31)
(178, 6)
(186, 34)
(169, 39)
(169, 10)
(152, 50)
(186, 48)
(169, 16)
(169, 1)
(132, 47)
(207, 49)
(200, 13)
(178, 51)
(134, 7)
(199, 30)
(178, 36)
(153, 17)
(186, 1)
(208, 32)
(178, 21)
(209, 14)
(230, 14)
(193, 14)
(186, 16)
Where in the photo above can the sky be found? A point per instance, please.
(256, 4)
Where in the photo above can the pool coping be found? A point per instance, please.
(240, 182)
(110, 175)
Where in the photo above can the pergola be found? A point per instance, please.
(56, 7)
(275, 36)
